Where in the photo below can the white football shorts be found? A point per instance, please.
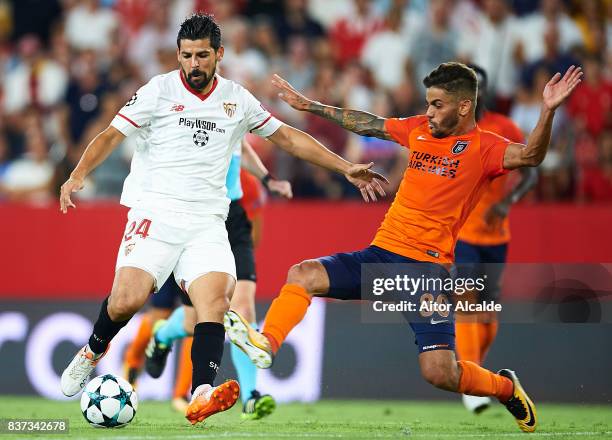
(188, 245)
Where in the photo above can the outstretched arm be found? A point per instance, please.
(95, 153)
(555, 93)
(304, 146)
(363, 123)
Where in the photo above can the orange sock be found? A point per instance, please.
(183, 376)
(478, 381)
(487, 332)
(134, 355)
(468, 341)
(286, 311)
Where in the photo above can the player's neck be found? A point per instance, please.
(464, 127)
(206, 90)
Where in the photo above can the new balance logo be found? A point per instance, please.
(421, 138)
(177, 108)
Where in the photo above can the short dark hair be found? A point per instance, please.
(200, 26)
(455, 78)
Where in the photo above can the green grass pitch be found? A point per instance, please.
(365, 419)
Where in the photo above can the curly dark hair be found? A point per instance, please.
(200, 26)
(455, 78)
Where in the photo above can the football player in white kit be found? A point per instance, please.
(189, 120)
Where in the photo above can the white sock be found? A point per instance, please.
(202, 390)
(95, 355)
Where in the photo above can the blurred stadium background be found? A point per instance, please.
(66, 67)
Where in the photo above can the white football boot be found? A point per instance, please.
(76, 374)
(255, 345)
(476, 404)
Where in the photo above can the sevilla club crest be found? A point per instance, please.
(230, 109)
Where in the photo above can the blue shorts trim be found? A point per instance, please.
(430, 337)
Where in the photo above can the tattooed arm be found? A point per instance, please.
(363, 123)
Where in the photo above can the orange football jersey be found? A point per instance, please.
(443, 181)
(475, 230)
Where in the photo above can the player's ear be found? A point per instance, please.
(465, 107)
(178, 55)
(220, 53)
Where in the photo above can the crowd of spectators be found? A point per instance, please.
(67, 66)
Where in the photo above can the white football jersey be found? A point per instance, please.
(185, 142)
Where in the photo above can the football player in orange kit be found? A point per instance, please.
(483, 244)
(451, 162)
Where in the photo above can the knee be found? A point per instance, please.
(441, 376)
(304, 274)
(219, 303)
(131, 289)
(122, 305)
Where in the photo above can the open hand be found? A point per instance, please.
(368, 181)
(288, 94)
(71, 185)
(558, 89)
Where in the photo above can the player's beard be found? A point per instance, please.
(445, 127)
(201, 81)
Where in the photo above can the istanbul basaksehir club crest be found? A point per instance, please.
(230, 108)
(459, 147)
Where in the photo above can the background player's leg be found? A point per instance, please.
(185, 368)
(487, 333)
(467, 327)
(243, 302)
(165, 332)
(133, 360)
(303, 281)
(162, 303)
(182, 385)
(468, 339)
(241, 237)
(175, 327)
(495, 260)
